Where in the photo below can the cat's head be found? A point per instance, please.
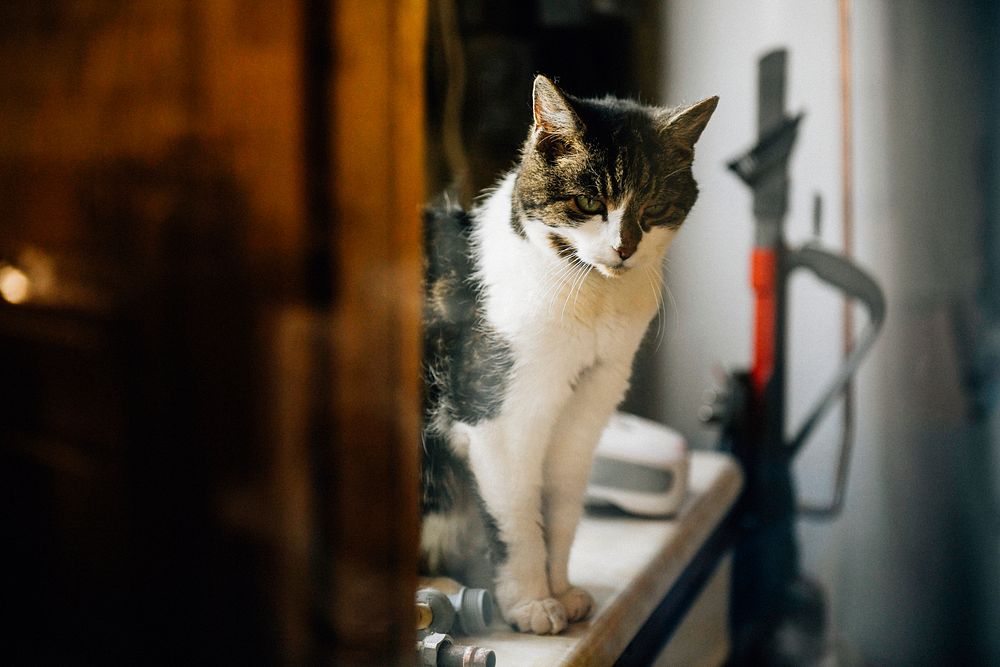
(606, 182)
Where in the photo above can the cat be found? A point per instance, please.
(535, 304)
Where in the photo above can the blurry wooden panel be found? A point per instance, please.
(95, 89)
(210, 449)
(152, 184)
(377, 133)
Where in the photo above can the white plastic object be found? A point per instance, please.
(640, 467)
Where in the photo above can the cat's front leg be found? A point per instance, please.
(507, 459)
(567, 469)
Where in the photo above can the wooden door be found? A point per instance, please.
(209, 295)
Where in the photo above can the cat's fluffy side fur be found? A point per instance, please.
(536, 304)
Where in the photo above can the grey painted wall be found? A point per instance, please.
(904, 565)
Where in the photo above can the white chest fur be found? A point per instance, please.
(552, 311)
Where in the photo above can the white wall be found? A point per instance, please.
(889, 563)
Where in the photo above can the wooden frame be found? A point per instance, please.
(229, 193)
(377, 154)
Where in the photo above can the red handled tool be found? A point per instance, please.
(768, 590)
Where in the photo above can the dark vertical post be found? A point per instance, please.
(766, 555)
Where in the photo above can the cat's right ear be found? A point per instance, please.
(682, 127)
(556, 124)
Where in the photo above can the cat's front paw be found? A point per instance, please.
(577, 603)
(542, 617)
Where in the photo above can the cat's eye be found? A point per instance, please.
(659, 212)
(588, 205)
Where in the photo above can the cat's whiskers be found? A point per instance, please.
(670, 293)
(552, 279)
(557, 278)
(580, 274)
(654, 288)
(581, 283)
(658, 296)
(570, 282)
(578, 282)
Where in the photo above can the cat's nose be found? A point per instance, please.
(624, 252)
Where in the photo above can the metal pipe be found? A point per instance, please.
(833, 508)
(438, 650)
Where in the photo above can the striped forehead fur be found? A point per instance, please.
(618, 152)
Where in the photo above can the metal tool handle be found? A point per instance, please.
(848, 277)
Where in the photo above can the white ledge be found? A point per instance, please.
(628, 564)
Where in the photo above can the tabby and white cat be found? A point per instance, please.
(535, 305)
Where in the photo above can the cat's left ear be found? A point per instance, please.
(683, 126)
(556, 123)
